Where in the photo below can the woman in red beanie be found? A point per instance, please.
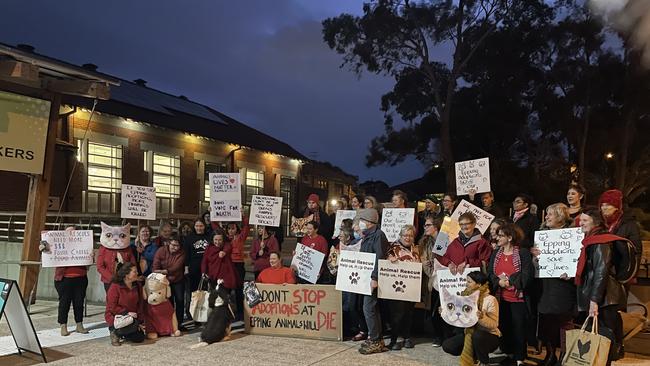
(617, 221)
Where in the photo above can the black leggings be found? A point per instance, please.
(239, 292)
(178, 299)
(482, 342)
(401, 318)
(513, 318)
(71, 291)
(135, 337)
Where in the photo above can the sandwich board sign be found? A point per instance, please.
(17, 316)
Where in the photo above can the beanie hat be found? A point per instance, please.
(313, 197)
(369, 214)
(613, 197)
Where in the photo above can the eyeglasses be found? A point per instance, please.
(465, 223)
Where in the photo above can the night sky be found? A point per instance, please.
(261, 62)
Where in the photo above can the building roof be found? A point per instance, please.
(141, 103)
(326, 169)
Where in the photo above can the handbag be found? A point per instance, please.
(199, 305)
(125, 324)
(585, 347)
(252, 294)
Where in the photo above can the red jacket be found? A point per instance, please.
(220, 268)
(474, 253)
(69, 272)
(107, 261)
(120, 299)
(262, 262)
(173, 263)
(238, 242)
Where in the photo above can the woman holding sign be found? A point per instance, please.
(401, 312)
(261, 250)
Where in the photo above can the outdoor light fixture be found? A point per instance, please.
(436, 166)
(334, 202)
(609, 155)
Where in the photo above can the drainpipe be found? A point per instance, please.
(231, 156)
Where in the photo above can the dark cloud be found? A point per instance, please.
(261, 62)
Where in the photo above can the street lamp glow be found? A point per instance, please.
(333, 202)
(609, 155)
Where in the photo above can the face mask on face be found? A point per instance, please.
(363, 225)
(357, 236)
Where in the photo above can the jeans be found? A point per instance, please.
(71, 291)
(178, 299)
(371, 313)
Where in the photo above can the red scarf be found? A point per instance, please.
(316, 214)
(591, 239)
(614, 221)
(519, 214)
(516, 262)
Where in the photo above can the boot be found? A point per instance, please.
(64, 330)
(81, 329)
(115, 340)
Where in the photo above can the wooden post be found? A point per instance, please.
(37, 202)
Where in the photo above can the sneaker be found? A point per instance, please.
(408, 343)
(437, 343)
(396, 347)
(374, 347)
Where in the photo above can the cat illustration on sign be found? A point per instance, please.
(566, 235)
(459, 311)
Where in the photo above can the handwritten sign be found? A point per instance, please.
(340, 216)
(265, 210)
(400, 280)
(138, 202)
(68, 248)
(559, 252)
(393, 219)
(483, 218)
(355, 271)
(303, 311)
(307, 262)
(225, 197)
(448, 233)
(473, 175)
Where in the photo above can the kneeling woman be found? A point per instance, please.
(124, 297)
(478, 341)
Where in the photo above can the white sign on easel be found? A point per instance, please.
(559, 252)
(355, 271)
(473, 175)
(265, 210)
(483, 218)
(340, 216)
(400, 280)
(138, 202)
(67, 248)
(307, 262)
(393, 219)
(225, 197)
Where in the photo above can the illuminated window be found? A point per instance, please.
(167, 175)
(210, 168)
(322, 184)
(254, 184)
(103, 176)
(288, 194)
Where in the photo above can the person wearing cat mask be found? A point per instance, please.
(115, 249)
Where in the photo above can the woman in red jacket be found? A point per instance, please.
(125, 297)
(217, 264)
(237, 238)
(469, 249)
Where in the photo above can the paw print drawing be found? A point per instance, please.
(399, 286)
(354, 278)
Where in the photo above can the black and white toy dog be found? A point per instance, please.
(217, 328)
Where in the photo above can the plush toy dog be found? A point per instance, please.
(161, 318)
(217, 328)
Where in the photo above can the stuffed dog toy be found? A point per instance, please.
(161, 318)
(217, 328)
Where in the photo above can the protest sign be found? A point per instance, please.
(225, 197)
(559, 252)
(448, 233)
(452, 304)
(399, 280)
(303, 311)
(483, 218)
(138, 202)
(67, 248)
(473, 175)
(393, 219)
(307, 262)
(355, 269)
(265, 210)
(340, 216)
(454, 284)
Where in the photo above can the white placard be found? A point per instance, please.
(559, 252)
(454, 284)
(473, 175)
(393, 219)
(483, 218)
(67, 248)
(340, 216)
(355, 271)
(225, 197)
(265, 210)
(307, 262)
(138, 202)
(400, 280)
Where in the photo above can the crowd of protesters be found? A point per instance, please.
(516, 309)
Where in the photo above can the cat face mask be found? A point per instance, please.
(115, 237)
(459, 311)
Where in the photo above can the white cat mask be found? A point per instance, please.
(115, 237)
(459, 311)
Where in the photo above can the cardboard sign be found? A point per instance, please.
(559, 252)
(138, 202)
(448, 233)
(393, 219)
(340, 216)
(355, 269)
(473, 175)
(68, 248)
(400, 280)
(454, 284)
(307, 262)
(265, 210)
(483, 218)
(303, 311)
(225, 197)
